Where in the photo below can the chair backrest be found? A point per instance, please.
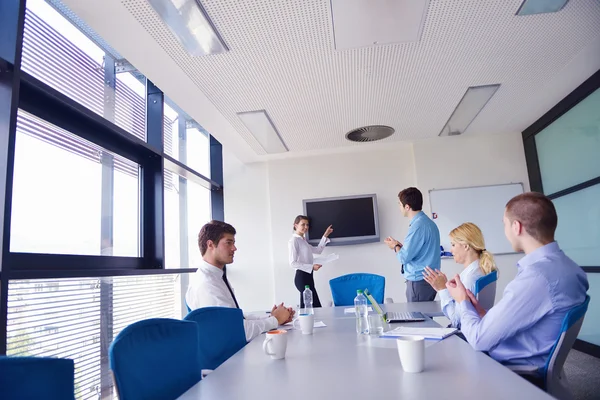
(32, 378)
(558, 354)
(155, 359)
(485, 290)
(343, 288)
(221, 334)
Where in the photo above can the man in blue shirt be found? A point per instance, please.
(525, 324)
(421, 247)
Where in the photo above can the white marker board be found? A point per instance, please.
(481, 205)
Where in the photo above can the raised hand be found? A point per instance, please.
(328, 231)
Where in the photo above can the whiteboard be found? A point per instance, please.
(481, 205)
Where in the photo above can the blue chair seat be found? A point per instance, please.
(343, 288)
(485, 290)
(220, 334)
(34, 378)
(155, 359)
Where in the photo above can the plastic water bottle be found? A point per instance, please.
(308, 300)
(360, 307)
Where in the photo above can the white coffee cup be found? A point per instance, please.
(411, 350)
(275, 344)
(307, 323)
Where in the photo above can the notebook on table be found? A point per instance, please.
(427, 333)
(391, 317)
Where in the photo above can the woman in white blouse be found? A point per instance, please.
(301, 257)
(468, 249)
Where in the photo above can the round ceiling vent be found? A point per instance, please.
(370, 133)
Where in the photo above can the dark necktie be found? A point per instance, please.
(229, 287)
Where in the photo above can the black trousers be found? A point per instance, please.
(302, 279)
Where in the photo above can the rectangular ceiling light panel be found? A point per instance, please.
(190, 24)
(263, 129)
(362, 23)
(530, 7)
(471, 104)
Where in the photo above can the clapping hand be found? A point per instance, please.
(480, 310)
(457, 289)
(437, 279)
(392, 243)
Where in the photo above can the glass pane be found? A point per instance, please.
(59, 54)
(198, 151)
(590, 331)
(78, 318)
(190, 146)
(568, 149)
(187, 208)
(578, 231)
(58, 191)
(130, 104)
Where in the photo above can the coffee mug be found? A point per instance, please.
(307, 323)
(275, 344)
(411, 350)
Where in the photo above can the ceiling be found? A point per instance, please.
(282, 59)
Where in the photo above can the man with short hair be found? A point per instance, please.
(525, 324)
(209, 286)
(421, 247)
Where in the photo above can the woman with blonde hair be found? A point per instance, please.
(468, 249)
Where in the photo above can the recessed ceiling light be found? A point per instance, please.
(530, 7)
(362, 23)
(471, 104)
(189, 22)
(262, 128)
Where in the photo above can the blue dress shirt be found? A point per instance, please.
(421, 247)
(525, 324)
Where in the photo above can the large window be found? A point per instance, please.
(562, 151)
(94, 243)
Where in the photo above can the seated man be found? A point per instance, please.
(209, 286)
(525, 324)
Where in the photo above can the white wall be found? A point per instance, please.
(453, 162)
(247, 209)
(261, 201)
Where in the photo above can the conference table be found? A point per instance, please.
(337, 363)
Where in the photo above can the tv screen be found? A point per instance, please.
(354, 219)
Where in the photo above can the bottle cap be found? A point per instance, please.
(306, 286)
(359, 291)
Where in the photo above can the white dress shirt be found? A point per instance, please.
(468, 277)
(301, 252)
(208, 289)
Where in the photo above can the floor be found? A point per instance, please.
(583, 374)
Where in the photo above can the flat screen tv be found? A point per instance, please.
(354, 219)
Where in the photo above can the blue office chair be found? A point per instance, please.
(155, 359)
(221, 334)
(555, 381)
(33, 378)
(485, 290)
(343, 288)
(189, 310)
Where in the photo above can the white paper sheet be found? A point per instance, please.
(324, 259)
(289, 325)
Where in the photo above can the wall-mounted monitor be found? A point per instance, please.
(354, 219)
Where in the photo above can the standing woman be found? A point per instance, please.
(301, 257)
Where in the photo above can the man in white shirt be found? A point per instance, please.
(209, 286)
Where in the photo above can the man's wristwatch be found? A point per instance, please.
(397, 245)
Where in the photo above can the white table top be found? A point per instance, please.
(336, 363)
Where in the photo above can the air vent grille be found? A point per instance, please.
(370, 133)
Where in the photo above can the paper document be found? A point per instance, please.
(325, 259)
(290, 325)
(427, 333)
(352, 311)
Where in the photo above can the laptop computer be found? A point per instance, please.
(392, 316)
